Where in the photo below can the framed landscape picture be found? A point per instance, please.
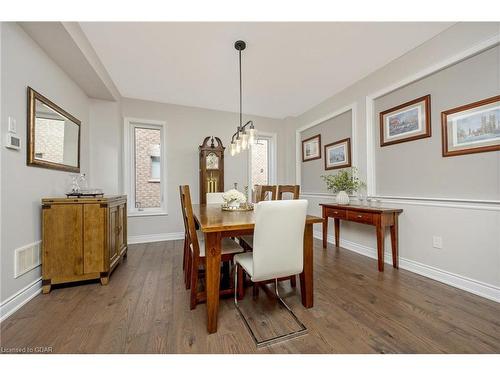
(472, 128)
(406, 122)
(338, 154)
(311, 148)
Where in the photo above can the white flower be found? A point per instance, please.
(234, 195)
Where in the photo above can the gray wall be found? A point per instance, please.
(417, 168)
(471, 239)
(334, 129)
(25, 64)
(186, 129)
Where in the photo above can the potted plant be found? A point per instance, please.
(343, 184)
(234, 198)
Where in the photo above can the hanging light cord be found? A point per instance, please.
(241, 121)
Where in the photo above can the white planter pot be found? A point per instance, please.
(342, 198)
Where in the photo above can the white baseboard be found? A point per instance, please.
(16, 301)
(157, 237)
(461, 282)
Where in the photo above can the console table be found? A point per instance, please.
(379, 217)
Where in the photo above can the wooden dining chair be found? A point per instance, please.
(262, 192)
(291, 189)
(196, 251)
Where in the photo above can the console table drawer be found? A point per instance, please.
(336, 213)
(360, 217)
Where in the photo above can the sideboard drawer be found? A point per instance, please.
(336, 213)
(360, 217)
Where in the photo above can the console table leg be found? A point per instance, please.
(325, 231)
(337, 232)
(380, 247)
(394, 243)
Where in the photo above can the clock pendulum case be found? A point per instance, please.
(211, 167)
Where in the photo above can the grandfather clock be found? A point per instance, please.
(211, 167)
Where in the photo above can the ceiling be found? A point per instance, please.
(287, 67)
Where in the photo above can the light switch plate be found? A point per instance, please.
(12, 125)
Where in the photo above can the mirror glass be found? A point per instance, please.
(55, 136)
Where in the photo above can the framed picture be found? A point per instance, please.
(311, 148)
(406, 122)
(338, 154)
(471, 128)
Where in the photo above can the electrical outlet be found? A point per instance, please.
(437, 242)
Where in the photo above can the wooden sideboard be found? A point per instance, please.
(379, 217)
(82, 238)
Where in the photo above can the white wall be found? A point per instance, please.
(25, 64)
(186, 129)
(470, 231)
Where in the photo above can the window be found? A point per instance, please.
(145, 166)
(262, 161)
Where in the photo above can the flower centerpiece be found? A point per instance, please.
(343, 183)
(234, 198)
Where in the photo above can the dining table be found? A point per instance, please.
(216, 224)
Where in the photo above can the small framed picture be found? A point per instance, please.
(406, 122)
(338, 154)
(311, 148)
(471, 128)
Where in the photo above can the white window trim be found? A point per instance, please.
(129, 168)
(273, 161)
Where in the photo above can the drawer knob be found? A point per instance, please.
(335, 212)
(360, 215)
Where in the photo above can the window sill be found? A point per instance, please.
(146, 213)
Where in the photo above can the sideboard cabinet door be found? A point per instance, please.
(94, 237)
(62, 241)
(113, 228)
(121, 229)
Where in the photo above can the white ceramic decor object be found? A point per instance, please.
(342, 198)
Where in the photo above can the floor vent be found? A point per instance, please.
(26, 258)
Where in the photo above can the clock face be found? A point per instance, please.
(212, 161)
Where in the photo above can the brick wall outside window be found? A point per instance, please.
(147, 191)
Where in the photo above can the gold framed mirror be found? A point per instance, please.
(53, 135)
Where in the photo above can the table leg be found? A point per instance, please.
(306, 277)
(337, 231)
(380, 246)
(325, 230)
(212, 278)
(394, 242)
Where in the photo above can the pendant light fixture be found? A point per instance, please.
(243, 138)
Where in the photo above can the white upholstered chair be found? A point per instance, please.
(277, 251)
(215, 198)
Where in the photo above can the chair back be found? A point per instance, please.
(187, 214)
(265, 191)
(292, 189)
(278, 239)
(215, 198)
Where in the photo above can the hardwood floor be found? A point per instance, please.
(145, 309)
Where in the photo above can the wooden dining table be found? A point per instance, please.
(216, 224)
